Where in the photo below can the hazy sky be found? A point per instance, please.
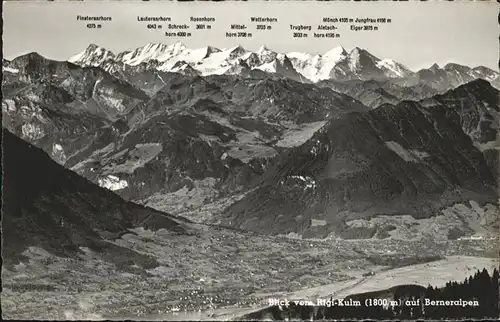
(421, 33)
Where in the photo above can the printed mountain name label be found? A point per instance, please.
(93, 18)
(326, 27)
(149, 18)
(202, 19)
(300, 27)
(263, 19)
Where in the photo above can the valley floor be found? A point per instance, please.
(220, 274)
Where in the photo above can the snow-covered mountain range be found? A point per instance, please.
(337, 63)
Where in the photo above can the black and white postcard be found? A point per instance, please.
(258, 160)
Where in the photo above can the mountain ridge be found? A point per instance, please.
(336, 63)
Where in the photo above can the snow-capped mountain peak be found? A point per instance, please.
(281, 57)
(177, 47)
(262, 49)
(236, 52)
(93, 55)
(336, 53)
(155, 51)
(301, 56)
(393, 69)
(361, 56)
(358, 64)
(317, 67)
(237, 48)
(154, 47)
(266, 55)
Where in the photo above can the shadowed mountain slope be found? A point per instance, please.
(48, 206)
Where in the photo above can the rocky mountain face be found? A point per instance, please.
(57, 104)
(336, 64)
(49, 206)
(89, 89)
(411, 158)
